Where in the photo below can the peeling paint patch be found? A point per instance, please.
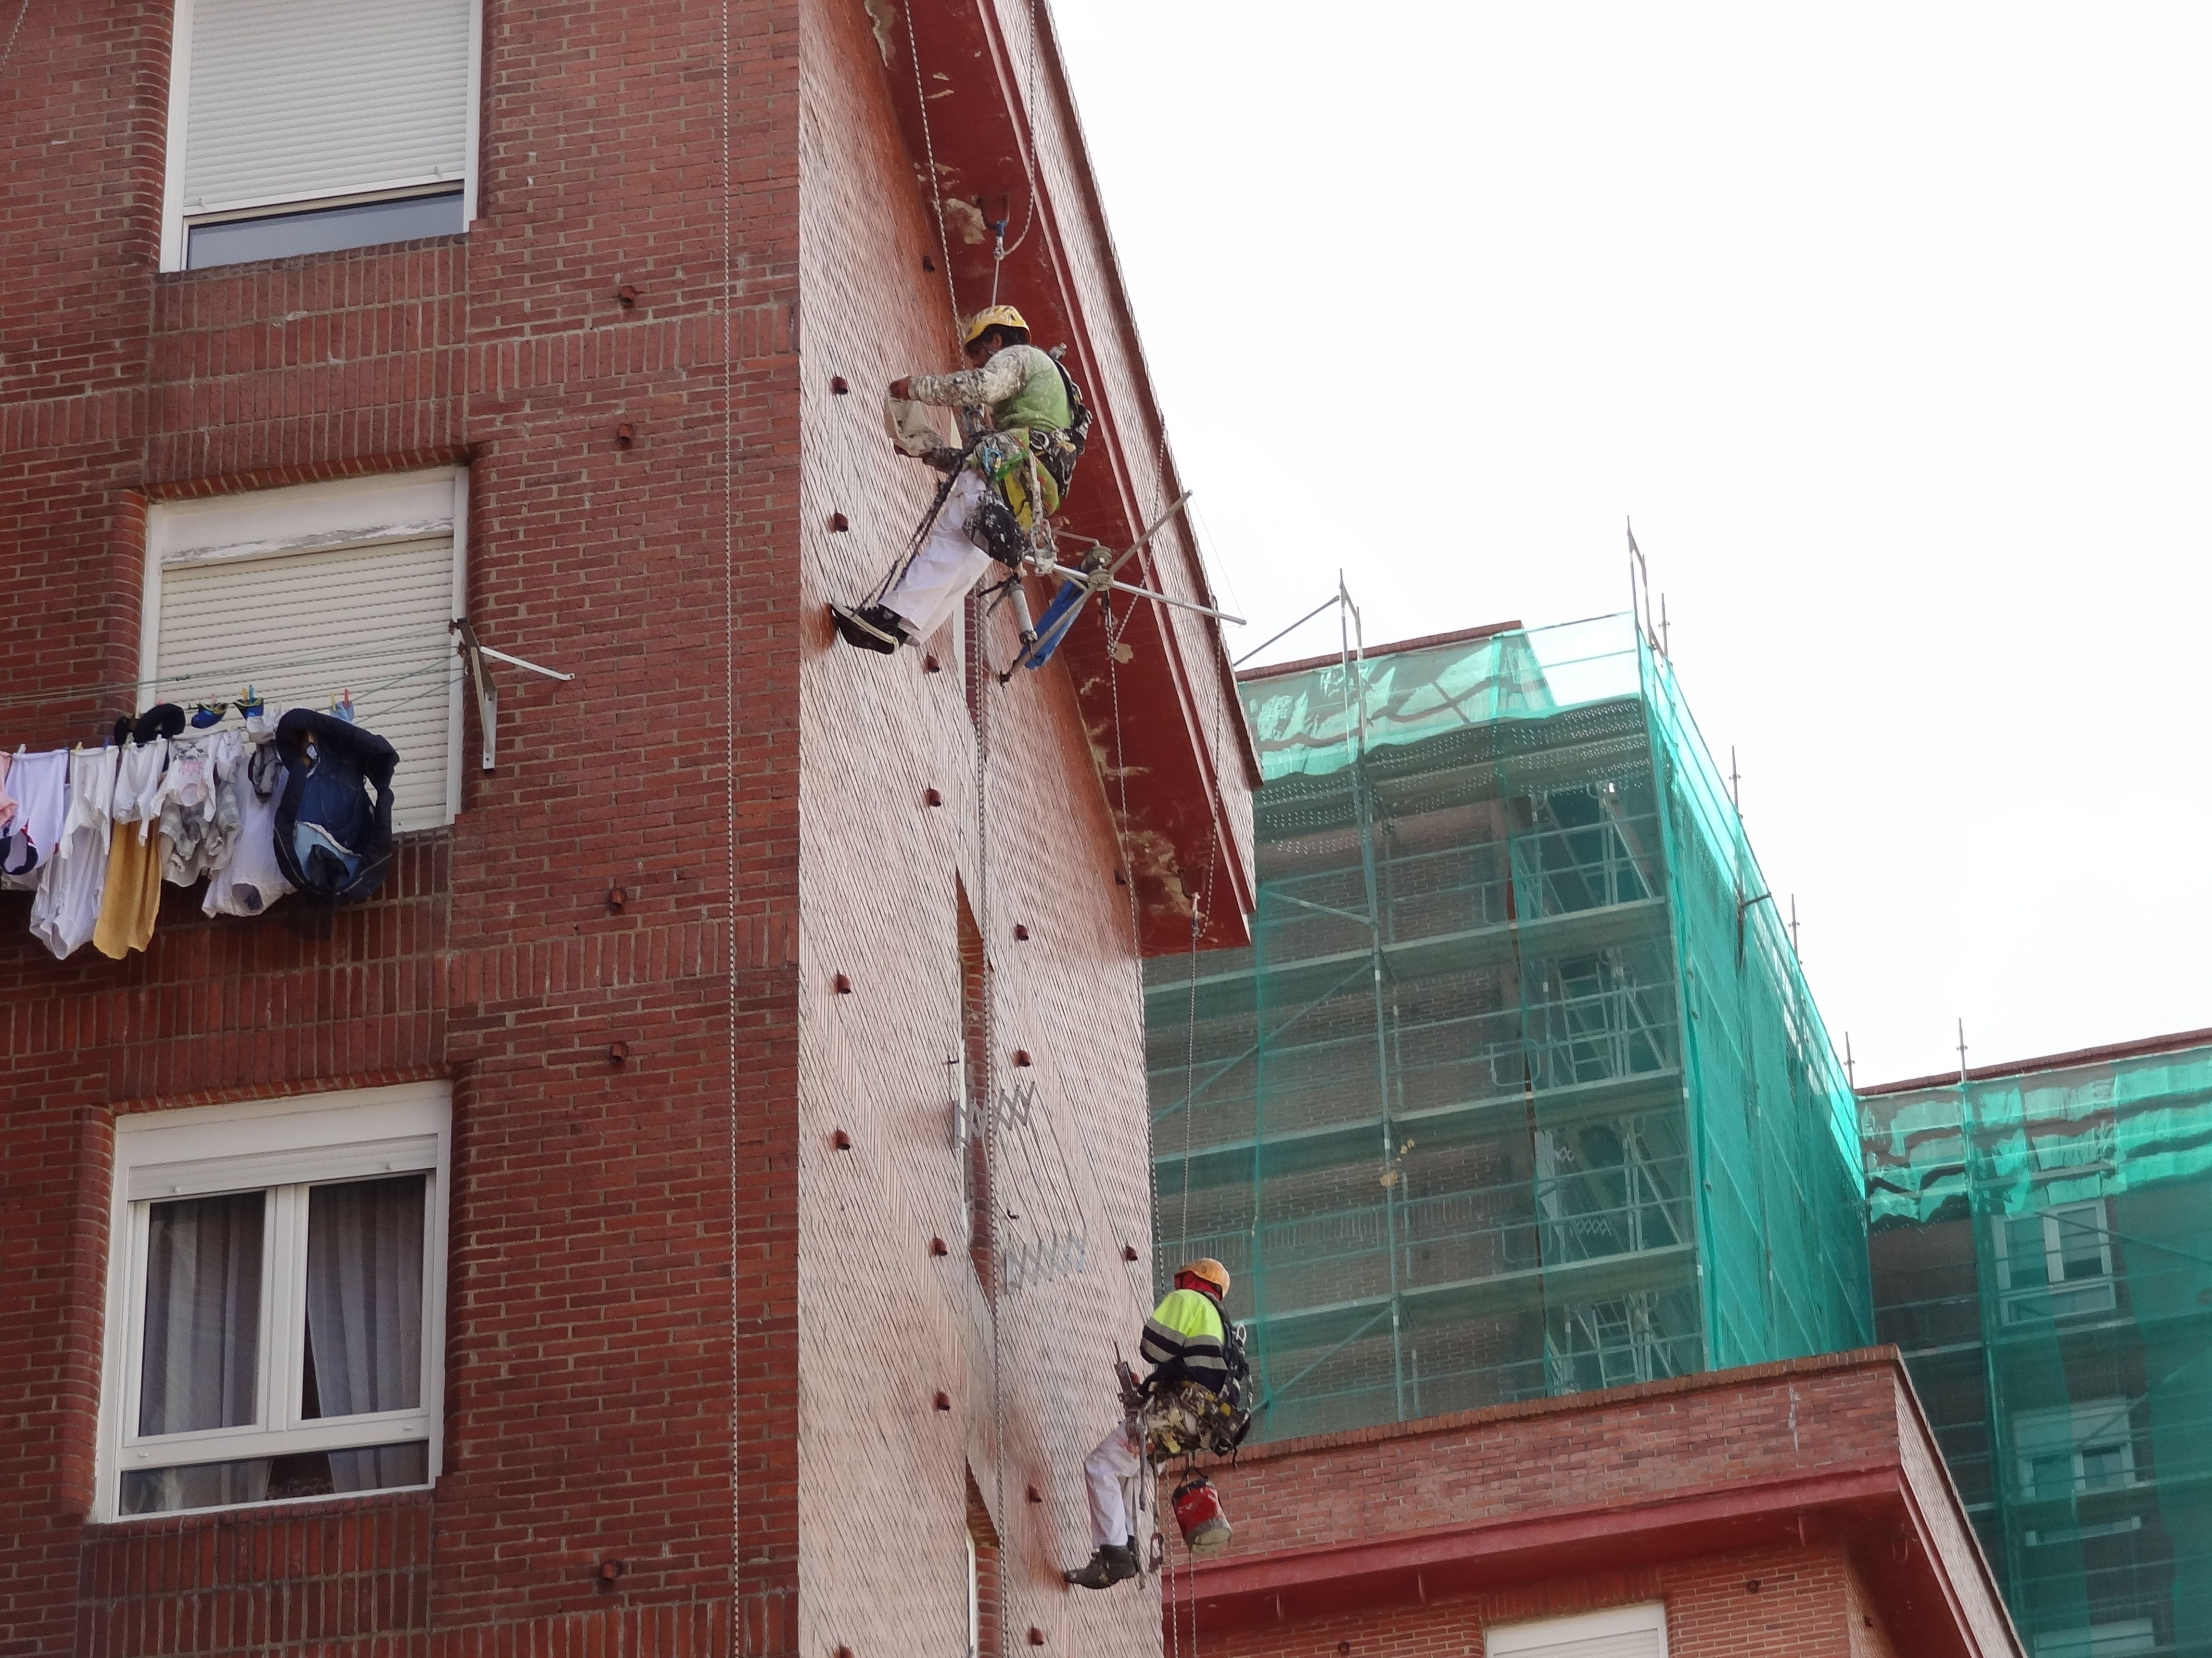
(1151, 859)
(965, 217)
(881, 17)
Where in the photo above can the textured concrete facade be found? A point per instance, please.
(688, 1335)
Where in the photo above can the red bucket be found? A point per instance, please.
(1198, 1511)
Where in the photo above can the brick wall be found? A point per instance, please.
(882, 1567)
(663, 1278)
(596, 1263)
(1814, 1517)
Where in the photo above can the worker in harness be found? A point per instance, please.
(1010, 476)
(1190, 1398)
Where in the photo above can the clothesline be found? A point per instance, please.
(235, 677)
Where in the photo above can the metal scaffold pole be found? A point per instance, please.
(1352, 648)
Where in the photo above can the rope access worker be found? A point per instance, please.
(1014, 473)
(1186, 1342)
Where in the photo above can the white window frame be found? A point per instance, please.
(307, 518)
(2056, 1230)
(2087, 1424)
(276, 1146)
(1563, 1637)
(174, 227)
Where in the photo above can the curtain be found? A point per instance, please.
(202, 1349)
(365, 1317)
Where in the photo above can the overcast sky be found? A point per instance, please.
(1886, 324)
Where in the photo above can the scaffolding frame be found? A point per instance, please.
(2042, 1243)
(1448, 1114)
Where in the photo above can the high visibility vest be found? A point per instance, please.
(1042, 402)
(1182, 1340)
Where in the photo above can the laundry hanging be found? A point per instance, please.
(285, 802)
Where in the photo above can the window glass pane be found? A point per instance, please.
(2081, 1241)
(2024, 1261)
(2050, 1476)
(202, 1343)
(266, 1478)
(364, 1298)
(324, 230)
(2102, 1466)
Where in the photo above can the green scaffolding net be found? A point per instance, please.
(1518, 1089)
(2042, 1249)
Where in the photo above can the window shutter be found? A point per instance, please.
(298, 100)
(303, 627)
(1621, 1633)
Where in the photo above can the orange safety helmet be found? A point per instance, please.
(1209, 1269)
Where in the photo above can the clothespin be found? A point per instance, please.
(342, 706)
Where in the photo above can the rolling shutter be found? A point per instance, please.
(303, 627)
(1619, 1632)
(298, 100)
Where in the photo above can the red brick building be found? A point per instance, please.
(687, 1041)
(1794, 1508)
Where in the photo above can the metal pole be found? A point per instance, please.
(1354, 661)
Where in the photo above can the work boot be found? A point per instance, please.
(872, 628)
(1110, 1565)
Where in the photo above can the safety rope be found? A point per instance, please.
(936, 184)
(902, 560)
(8, 51)
(739, 1618)
(988, 1089)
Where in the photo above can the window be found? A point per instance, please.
(313, 590)
(1618, 1632)
(299, 126)
(2071, 1450)
(2056, 1262)
(275, 1316)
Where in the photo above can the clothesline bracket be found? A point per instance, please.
(472, 652)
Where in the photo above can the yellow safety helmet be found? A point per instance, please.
(998, 316)
(1209, 1269)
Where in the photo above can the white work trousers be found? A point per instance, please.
(947, 564)
(1103, 1470)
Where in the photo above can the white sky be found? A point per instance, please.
(1887, 324)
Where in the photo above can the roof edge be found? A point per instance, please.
(1461, 637)
(1883, 1357)
(2175, 1043)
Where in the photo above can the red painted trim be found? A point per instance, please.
(2175, 1043)
(1688, 1519)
